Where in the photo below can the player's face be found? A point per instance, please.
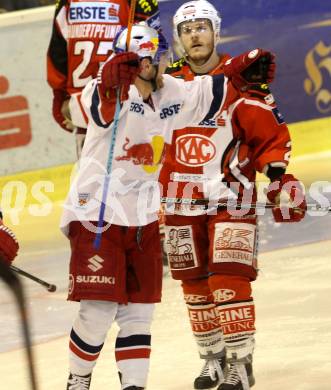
(197, 38)
(151, 72)
(148, 71)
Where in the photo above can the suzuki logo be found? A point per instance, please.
(95, 263)
(194, 150)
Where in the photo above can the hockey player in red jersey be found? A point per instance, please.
(8, 243)
(121, 280)
(214, 255)
(82, 39)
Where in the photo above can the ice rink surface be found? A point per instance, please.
(292, 296)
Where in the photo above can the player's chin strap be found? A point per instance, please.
(153, 80)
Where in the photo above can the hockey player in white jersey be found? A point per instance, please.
(121, 280)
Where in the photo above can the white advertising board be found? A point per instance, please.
(29, 137)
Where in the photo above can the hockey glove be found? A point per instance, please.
(255, 67)
(119, 72)
(295, 191)
(8, 244)
(59, 99)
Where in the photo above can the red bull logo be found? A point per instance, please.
(149, 155)
(147, 46)
(139, 154)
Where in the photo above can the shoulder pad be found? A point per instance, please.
(176, 66)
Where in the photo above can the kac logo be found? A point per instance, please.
(194, 150)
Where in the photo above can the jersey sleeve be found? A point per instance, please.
(148, 11)
(57, 57)
(203, 98)
(99, 109)
(265, 131)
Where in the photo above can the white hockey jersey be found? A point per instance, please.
(143, 131)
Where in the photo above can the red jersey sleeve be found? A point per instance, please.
(263, 128)
(57, 57)
(82, 38)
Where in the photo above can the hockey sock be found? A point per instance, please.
(133, 343)
(88, 334)
(204, 318)
(232, 296)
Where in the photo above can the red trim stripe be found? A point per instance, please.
(141, 353)
(82, 354)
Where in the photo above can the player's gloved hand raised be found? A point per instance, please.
(254, 67)
(295, 191)
(60, 109)
(120, 71)
(8, 244)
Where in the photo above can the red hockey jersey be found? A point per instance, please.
(83, 34)
(219, 158)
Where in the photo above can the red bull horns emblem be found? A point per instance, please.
(151, 45)
(148, 155)
(147, 45)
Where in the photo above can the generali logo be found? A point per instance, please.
(95, 263)
(194, 150)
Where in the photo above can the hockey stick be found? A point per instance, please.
(97, 240)
(49, 287)
(234, 205)
(16, 288)
(130, 23)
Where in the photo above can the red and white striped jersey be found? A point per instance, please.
(246, 135)
(82, 37)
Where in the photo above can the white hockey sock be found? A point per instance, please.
(88, 334)
(133, 343)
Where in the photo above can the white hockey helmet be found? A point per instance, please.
(144, 41)
(190, 11)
